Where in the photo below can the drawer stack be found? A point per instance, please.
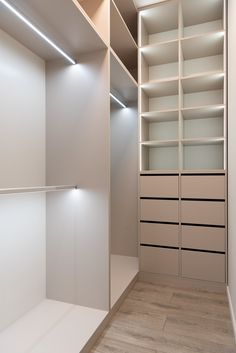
(183, 225)
(159, 225)
(203, 224)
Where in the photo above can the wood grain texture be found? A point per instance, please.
(164, 319)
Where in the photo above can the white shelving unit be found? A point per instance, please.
(182, 85)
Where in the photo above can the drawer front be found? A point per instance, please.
(203, 186)
(204, 266)
(157, 260)
(203, 212)
(159, 234)
(204, 238)
(159, 210)
(159, 186)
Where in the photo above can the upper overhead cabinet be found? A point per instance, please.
(122, 37)
(43, 94)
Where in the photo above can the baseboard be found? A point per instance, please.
(233, 319)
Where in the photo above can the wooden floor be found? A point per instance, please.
(163, 319)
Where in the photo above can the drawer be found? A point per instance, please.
(202, 265)
(159, 234)
(205, 238)
(203, 186)
(159, 186)
(203, 212)
(159, 210)
(157, 260)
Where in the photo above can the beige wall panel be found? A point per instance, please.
(203, 238)
(205, 266)
(159, 234)
(159, 210)
(203, 212)
(158, 260)
(159, 186)
(212, 186)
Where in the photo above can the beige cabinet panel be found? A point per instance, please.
(159, 260)
(205, 238)
(203, 186)
(159, 186)
(159, 234)
(203, 212)
(159, 210)
(203, 265)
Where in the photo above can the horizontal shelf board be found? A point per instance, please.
(122, 41)
(162, 53)
(37, 189)
(161, 18)
(165, 115)
(128, 11)
(200, 11)
(210, 111)
(161, 88)
(121, 80)
(206, 82)
(203, 45)
(69, 29)
(160, 143)
(203, 141)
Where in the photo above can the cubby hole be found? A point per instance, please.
(163, 157)
(159, 129)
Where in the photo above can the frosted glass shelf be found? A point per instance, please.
(37, 189)
(123, 271)
(163, 115)
(161, 88)
(203, 45)
(63, 326)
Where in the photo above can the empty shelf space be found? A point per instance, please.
(161, 88)
(203, 155)
(129, 13)
(122, 41)
(163, 115)
(206, 82)
(123, 271)
(201, 16)
(160, 23)
(160, 157)
(159, 130)
(122, 82)
(61, 29)
(159, 61)
(98, 13)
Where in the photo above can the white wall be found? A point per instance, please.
(124, 181)
(232, 150)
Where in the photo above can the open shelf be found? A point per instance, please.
(159, 156)
(163, 115)
(129, 13)
(159, 61)
(123, 271)
(63, 29)
(65, 327)
(161, 88)
(160, 130)
(203, 154)
(98, 12)
(201, 16)
(122, 41)
(160, 23)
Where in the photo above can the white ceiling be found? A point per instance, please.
(141, 3)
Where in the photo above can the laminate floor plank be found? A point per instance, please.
(167, 319)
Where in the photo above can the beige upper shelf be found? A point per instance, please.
(64, 24)
(200, 11)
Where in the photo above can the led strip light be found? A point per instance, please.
(118, 101)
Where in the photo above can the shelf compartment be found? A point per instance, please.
(203, 65)
(129, 13)
(159, 130)
(203, 122)
(163, 115)
(159, 156)
(122, 41)
(202, 16)
(203, 154)
(202, 46)
(159, 61)
(159, 23)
